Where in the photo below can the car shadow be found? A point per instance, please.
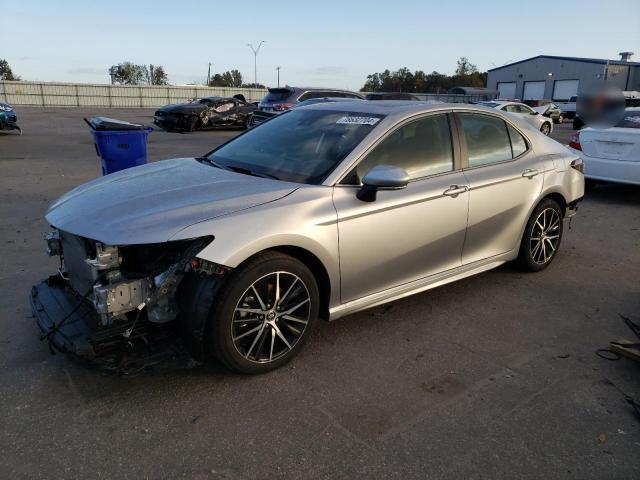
(613, 194)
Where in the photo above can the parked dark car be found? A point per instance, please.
(260, 116)
(553, 111)
(284, 98)
(8, 118)
(391, 96)
(209, 112)
(281, 99)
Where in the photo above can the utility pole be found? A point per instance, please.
(209, 74)
(278, 69)
(255, 61)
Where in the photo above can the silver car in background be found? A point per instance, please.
(321, 212)
(523, 112)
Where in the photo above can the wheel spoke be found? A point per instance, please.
(248, 320)
(248, 332)
(282, 337)
(293, 309)
(273, 338)
(262, 304)
(249, 310)
(284, 297)
(291, 318)
(277, 299)
(535, 249)
(255, 340)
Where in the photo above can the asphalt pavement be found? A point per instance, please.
(494, 376)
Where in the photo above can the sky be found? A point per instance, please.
(322, 43)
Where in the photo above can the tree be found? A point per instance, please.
(232, 78)
(128, 73)
(5, 71)
(403, 80)
(155, 75)
(465, 67)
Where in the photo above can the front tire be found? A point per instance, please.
(192, 123)
(546, 128)
(542, 236)
(264, 313)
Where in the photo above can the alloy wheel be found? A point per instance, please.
(271, 317)
(545, 236)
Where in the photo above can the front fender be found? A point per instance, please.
(304, 219)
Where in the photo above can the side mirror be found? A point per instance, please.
(535, 113)
(382, 177)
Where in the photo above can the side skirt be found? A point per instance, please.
(419, 285)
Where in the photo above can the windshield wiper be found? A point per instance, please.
(211, 162)
(254, 173)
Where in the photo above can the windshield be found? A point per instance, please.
(298, 146)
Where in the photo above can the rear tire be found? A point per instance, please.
(559, 120)
(542, 236)
(249, 331)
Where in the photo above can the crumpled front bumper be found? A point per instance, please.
(71, 325)
(66, 319)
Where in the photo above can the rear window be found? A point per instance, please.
(276, 95)
(630, 120)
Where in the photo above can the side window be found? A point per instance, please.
(422, 148)
(524, 109)
(518, 143)
(310, 95)
(487, 139)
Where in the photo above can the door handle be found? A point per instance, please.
(530, 173)
(455, 190)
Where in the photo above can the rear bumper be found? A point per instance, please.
(607, 170)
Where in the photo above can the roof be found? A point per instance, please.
(572, 59)
(393, 108)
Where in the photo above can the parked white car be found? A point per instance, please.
(611, 154)
(523, 112)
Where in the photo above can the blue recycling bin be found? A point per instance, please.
(119, 144)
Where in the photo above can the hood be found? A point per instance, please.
(152, 203)
(542, 109)
(183, 108)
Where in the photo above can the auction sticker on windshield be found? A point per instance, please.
(358, 120)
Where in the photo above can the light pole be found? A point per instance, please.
(278, 69)
(209, 74)
(255, 60)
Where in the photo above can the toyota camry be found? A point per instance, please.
(321, 212)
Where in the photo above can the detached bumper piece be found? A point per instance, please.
(71, 325)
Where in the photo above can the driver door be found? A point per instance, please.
(404, 235)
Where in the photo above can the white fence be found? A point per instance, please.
(49, 94)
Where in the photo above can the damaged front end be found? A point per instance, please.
(117, 306)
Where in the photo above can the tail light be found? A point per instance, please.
(281, 107)
(578, 164)
(574, 141)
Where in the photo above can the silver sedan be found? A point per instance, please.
(523, 113)
(321, 212)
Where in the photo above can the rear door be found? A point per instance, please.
(504, 178)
